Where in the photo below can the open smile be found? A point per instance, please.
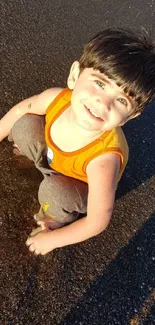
(93, 114)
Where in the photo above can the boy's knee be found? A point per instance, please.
(28, 134)
(58, 195)
(28, 127)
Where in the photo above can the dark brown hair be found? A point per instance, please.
(126, 58)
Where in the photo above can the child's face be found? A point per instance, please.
(97, 102)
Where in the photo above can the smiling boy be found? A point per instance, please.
(74, 136)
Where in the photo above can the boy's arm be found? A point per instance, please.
(102, 175)
(36, 105)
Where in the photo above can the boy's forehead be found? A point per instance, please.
(101, 75)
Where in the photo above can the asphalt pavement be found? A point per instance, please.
(109, 279)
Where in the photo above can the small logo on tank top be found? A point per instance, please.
(50, 155)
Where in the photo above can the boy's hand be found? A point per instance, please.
(41, 243)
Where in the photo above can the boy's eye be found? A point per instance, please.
(123, 101)
(100, 83)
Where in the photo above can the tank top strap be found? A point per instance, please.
(60, 101)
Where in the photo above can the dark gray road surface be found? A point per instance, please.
(109, 279)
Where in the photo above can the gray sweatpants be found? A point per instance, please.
(62, 199)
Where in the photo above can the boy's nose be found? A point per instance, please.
(103, 102)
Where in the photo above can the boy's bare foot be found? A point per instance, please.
(16, 150)
(35, 231)
(47, 222)
(44, 224)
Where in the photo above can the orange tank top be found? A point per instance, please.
(74, 163)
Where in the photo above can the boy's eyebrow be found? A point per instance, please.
(100, 77)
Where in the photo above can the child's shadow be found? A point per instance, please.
(125, 293)
(141, 140)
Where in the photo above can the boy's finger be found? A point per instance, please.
(29, 241)
(35, 231)
(32, 248)
(36, 252)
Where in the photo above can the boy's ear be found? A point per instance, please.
(73, 75)
(134, 116)
(131, 117)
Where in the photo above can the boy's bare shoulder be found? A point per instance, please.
(106, 166)
(47, 96)
(51, 93)
(39, 103)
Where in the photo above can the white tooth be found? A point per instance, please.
(94, 114)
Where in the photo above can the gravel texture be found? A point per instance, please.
(106, 280)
